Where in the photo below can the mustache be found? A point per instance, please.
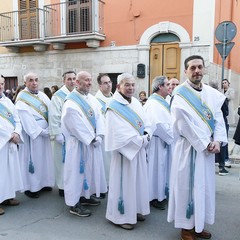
(196, 75)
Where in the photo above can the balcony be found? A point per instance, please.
(56, 24)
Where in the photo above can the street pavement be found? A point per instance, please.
(48, 218)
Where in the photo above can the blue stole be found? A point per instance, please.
(33, 101)
(61, 94)
(103, 105)
(128, 114)
(161, 100)
(6, 114)
(196, 103)
(85, 107)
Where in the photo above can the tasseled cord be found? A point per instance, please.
(167, 177)
(82, 167)
(64, 151)
(30, 165)
(190, 207)
(120, 200)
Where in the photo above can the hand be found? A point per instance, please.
(59, 138)
(145, 140)
(213, 147)
(15, 138)
(97, 141)
(44, 133)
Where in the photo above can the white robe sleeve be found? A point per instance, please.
(121, 136)
(188, 128)
(75, 123)
(55, 111)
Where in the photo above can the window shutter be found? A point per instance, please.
(28, 19)
(79, 16)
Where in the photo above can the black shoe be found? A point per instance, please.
(157, 204)
(46, 189)
(223, 172)
(32, 194)
(80, 211)
(140, 217)
(89, 202)
(61, 192)
(102, 196)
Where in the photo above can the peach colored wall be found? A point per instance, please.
(227, 10)
(6, 6)
(126, 20)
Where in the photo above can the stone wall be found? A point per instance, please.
(50, 65)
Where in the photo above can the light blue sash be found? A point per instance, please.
(161, 100)
(103, 105)
(33, 101)
(61, 94)
(128, 114)
(6, 114)
(85, 107)
(198, 106)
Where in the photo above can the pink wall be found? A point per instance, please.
(229, 11)
(126, 20)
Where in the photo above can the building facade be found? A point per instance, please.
(145, 38)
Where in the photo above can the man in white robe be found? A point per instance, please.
(157, 111)
(128, 196)
(199, 127)
(174, 82)
(104, 96)
(83, 128)
(10, 132)
(36, 152)
(55, 112)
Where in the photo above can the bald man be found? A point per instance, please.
(174, 82)
(83, 128)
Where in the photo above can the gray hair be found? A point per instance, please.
(28, 75)
(124, 76)
(214, 84)
(158, 81)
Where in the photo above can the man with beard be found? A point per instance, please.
(199, 131)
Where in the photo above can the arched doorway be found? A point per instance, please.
(183, 45)
(164, 56)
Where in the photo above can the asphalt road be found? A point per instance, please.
(48, 218)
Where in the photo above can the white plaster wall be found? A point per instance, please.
(203, 24)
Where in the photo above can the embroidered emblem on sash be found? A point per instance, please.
(90, 113)
(43, 108)
(207, 115)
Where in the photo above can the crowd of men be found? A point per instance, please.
(162, 152)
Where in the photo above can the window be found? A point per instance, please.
(28, 19)
(79, 16)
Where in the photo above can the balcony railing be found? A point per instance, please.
(73, 18)
(21, 25)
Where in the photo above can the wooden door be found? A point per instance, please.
(164, 60)
(28, 19)
(11, 82)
